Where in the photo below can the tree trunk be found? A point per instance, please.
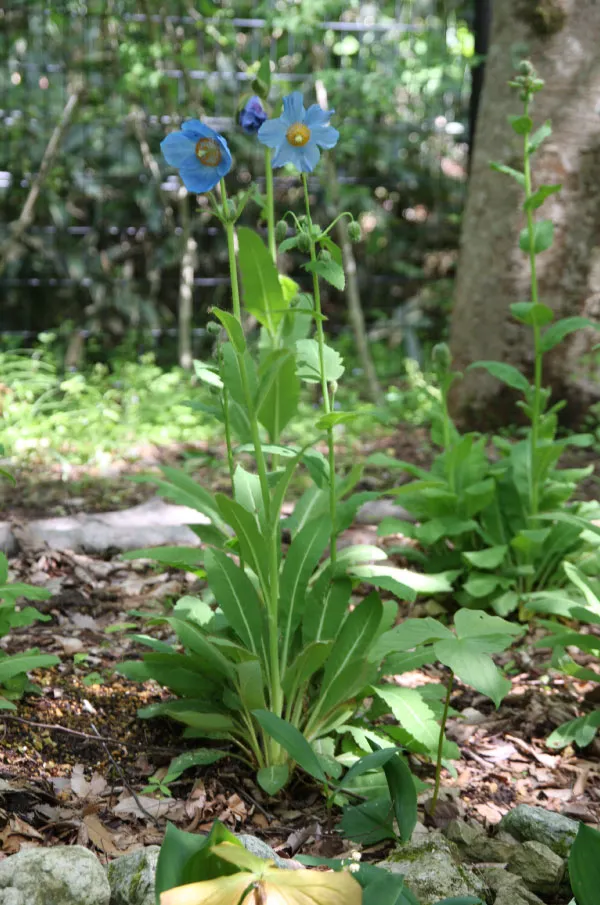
(560, 37)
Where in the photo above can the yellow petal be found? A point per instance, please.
(221, 891)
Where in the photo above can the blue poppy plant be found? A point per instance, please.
(199, 153)
(297, 134)
(252, 116)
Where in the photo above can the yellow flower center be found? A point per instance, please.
(298, 134)
(208, 152)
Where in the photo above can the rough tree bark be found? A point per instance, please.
(560, 37)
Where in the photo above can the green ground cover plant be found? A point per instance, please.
(489, 516)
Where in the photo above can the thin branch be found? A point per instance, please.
(26, 217)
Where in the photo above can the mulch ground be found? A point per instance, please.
(74, 759)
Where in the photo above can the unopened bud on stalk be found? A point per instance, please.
(324, 255)
(280, 230)
(304, 243)
(441, 357)
(213, 328)
(354, 231)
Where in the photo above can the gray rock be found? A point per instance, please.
(262, 850)
(477, 846)
(132, 877)
(540, 868)
(63, 875)
(432, 870)
(509, 889)
(532, 824)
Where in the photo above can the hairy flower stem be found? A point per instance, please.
(440, 751)
(537, 378)
(270, 204)
(271, 593)
(324, 387)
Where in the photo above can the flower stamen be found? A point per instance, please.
(208, 152)
(298, 135)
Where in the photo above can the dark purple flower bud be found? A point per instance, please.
(252, 116)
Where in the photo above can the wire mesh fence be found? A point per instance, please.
(102, 249)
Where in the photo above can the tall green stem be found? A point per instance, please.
(537, 378)
(272, 591)
(270, 205)
(324, 386)
(440, 751)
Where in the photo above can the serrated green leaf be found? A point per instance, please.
(521, 124)
(562, 328)
(537, 199)
(330, 271)
(544, 131)
(309, 364)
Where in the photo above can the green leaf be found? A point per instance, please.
(408, 635)
(582, 731)
(202, 757)
(490, 558)
(182, 489)
(477, 624)
(480, 584)
(309, 366)
(464, 657)
(404, 795)
(194, 638)
(353, 642)
(509, 171)
(262, 293)
(302, 558)
(307, 663)
(543, 235)
(237, 598)
(252, 542)
(402, 581)
(187, 857)
(330, 271)
(562, 328)
(537, 199)
(544, 131)
(372, 761)
(504, 372)
(248, 492)
(278, 392)
(16, 664)
(412, 712)
(273, 779)
(333, 418)
(584, 865)
(233, 328)
(532, 313)
(232, 375)
(326, 608)
(369, 823)
(521, 124)
(292, 740)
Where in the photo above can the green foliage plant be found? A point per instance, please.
(195, 869)
(584, 866)
(273, 661)
(491, 519)
(14, 682)
(566, 612)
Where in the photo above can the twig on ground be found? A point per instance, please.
(126, 782)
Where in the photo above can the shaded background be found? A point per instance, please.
(103, 253)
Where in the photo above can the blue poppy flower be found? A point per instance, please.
(297, 134)
(199, 153)
(252, 116)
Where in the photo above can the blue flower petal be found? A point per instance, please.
(199, 179)
(226, 159)
(293, 108)
(176, 148)
(310, 157)
(288, 154)
(272, 133)
(195, 129)
(316, 116)
(325, 136)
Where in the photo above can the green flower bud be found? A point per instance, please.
(315, 230)
(354, 231)
(324, 255)
(441, 357)
(303, 243)
(526, 67)
(213, 328)
(280, 230)
(231, 210)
